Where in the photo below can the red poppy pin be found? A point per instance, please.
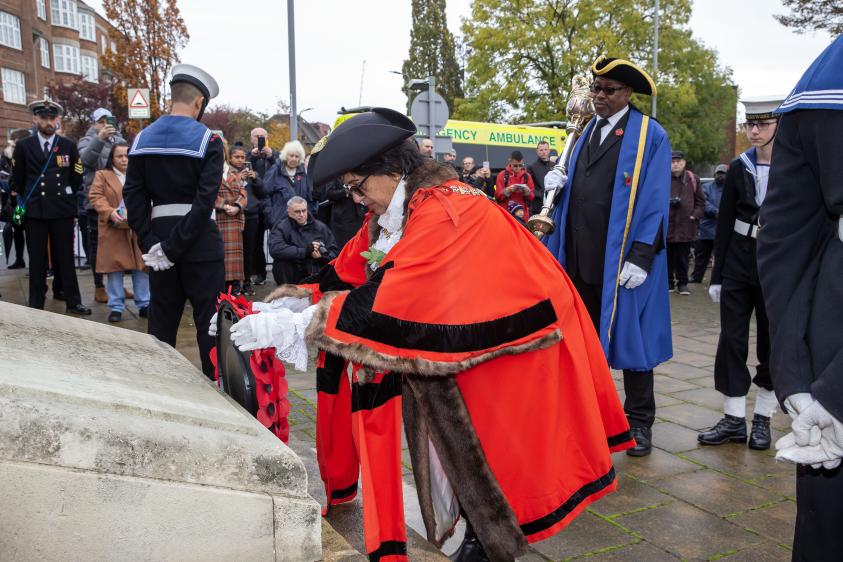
(618, 132)
(627, 179)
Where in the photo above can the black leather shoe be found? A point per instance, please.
(730, 428)
(115, 316)
(80, 309)
(470, 550)
(643, 442)
(143, 312)
(759, 437)
(18, 265)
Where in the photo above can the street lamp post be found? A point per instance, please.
(291, 47)
(655, 50)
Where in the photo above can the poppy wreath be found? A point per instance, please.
(270, 377)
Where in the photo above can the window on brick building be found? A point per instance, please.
(103, 43)
(14, 86)
(87, 28)
(66, 58)
(63, 13)
(41, 8)
(9, 30)
(90, 68)
(44, 47)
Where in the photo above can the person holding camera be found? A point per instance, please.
(230, 208)
(262, 158)
(299, 244)
(687, 205)
(94, 150)
(117, 245)
(515, 184)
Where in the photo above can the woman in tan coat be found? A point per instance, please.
(118, 249)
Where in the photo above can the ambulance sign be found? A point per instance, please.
(138, 103)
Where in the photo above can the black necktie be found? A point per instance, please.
(594, 143)
(47, 150)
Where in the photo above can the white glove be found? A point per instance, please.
(714, 293)
(212, 327)
(555, 179)
(797, 403)
(282, 329)
(157, 259)
(631, 276)
(814, 415)
(296, 304)
(817, 437)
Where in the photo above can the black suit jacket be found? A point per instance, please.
(734, 254)
(53, 192)
(161, 180)
(589, 207)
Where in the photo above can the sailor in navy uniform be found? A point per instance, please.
(46, 174)
(800, 263)
(174, 175)
(735, 286)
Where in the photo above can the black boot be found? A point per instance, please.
(470, 550)
(730, 428)
(643, 442)
(759, 437)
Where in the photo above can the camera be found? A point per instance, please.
(261, 143)
(111, 120)
(321, 248)
(675, 201)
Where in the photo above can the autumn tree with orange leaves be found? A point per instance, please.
(149, 36)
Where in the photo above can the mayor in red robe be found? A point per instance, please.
(445, 312)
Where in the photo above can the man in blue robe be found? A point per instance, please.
(800, 265)
(611, 219)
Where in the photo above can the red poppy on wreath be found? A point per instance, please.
(618, 132)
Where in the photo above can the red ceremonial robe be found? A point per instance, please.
(502, 373)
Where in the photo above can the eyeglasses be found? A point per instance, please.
(516, 166)
(762, 125)
(356, 188)
(595, 89)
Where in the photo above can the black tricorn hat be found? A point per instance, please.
(356, 141)
(625, 72)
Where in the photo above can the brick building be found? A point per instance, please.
(42, 41)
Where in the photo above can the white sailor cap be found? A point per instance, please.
(760, 108)
(198, 77)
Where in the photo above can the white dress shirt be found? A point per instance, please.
(613, 120)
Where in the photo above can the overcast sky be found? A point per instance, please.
(243, 45)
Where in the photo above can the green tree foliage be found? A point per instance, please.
(810, 15)
(432, 50)
(524, 54)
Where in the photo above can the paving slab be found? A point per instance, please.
(776, 522)
(765, 553)
(688, 532)
(654, 466)
(739, 460)
(638, 552)
(690, 416)
(631, 495)
(587, 533)
(717, 493)
(674, 438)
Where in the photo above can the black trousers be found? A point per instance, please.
(702, 255)
(819, 512)
(259, 263)
(59, 234)
(93, 243)
(252, 240)
(199, 282)
(677, 262)
(288, 272)
(640, 402)
(731, 375)
(18, 235)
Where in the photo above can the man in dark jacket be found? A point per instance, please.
(687, 204)
(299, 244)
(279, 185)
(46, 175)
(94, 150)
(708, 224)
(538, 170)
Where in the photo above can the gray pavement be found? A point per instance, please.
(683, 502)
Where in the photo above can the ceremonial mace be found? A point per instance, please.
(578, 111)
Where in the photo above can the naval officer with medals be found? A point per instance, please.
(175, 169)
(47, 174)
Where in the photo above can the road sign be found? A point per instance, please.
(424, 112)
(138, 103)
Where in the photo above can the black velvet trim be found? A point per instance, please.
(372, 395)
(563, 510)
(357, 318)
(328, 377)
(328, 280)
(344, 493)
(616, 440)
(389, 548)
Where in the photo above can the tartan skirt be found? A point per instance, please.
(231, 229)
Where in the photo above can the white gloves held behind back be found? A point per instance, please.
(817, 436)
(156, 259)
